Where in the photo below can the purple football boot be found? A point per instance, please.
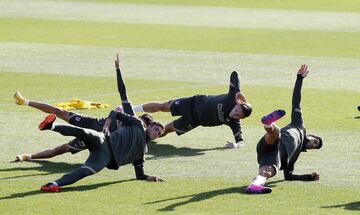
(272, 117)
(257, 189)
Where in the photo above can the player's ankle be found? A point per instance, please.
(259, 180)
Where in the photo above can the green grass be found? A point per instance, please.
(281, 42)
(202, 177)
(263, 98)
(318, 5)
(213, 195)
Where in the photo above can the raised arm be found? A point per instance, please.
(296, 114)
(234, 88)
(122, 89)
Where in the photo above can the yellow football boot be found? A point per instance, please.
(23, 157)
(19, 99)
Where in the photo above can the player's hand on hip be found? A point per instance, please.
(155, 179)
(303, 71)
(106, 130)
(315, 176)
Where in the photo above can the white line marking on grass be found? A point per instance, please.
(177, 65)
(222, 17)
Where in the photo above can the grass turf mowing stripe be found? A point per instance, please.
(187, 38)
(183, 15)
(159, 64)
(320, 5)
(323, 109)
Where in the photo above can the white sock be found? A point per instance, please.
(26, 102)
(138, 108)
(52, 127)
(54, 183)
(259, 180)
(268, 126)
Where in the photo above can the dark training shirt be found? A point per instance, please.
(293, 135)
(214, 110)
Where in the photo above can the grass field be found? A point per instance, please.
(52, 51)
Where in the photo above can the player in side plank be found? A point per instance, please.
(76, 145)
(279, 149)
(206, 110)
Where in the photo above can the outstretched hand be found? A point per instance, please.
(315, 176)
(303, 71)
(155, 179)
(117, 62)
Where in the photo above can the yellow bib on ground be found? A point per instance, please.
(74, 104)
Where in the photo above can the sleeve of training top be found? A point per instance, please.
(139, 170)
(123, 96)
(296, 115)
(290, 177)
(236, 129)
(234, 84)
(124, 117)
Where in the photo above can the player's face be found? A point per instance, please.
(313, 143)
(236, 112)
(155, 131)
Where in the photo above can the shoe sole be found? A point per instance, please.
(273, 117)
(48, 120)
(52, 189)
(265, 191)
(19, 99)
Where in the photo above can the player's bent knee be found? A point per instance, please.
(164, 107)
(62, 114)
(267, 171)
(88, 170)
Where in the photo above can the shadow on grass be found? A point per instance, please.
(66, 189)
(47, 167)
(353, 206)
(161, 151)
(204, 196)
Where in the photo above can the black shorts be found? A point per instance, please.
(183, 107)
(86, 122)
(268, 155)
(76, 145)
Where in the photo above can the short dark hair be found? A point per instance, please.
(147, 119)
(246, 109)
(157, 124)
(319, 138)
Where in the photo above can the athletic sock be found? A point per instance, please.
(26, 102)
(259, 180)
(54, 183)
(138, 108)
(268, 126)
